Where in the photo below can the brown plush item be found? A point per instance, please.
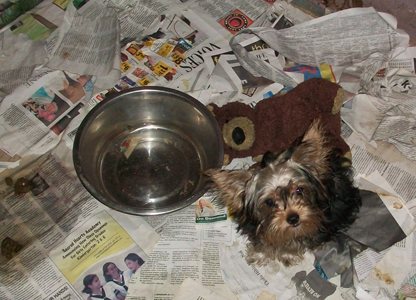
(275, 123)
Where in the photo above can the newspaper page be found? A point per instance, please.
(16, 62)
(23, 43)
(231, 82)
(254, 282)
(405, 60)
(230, 15)
(72, 239)
(290, 11)
(229, 76)
(398, 171)
(173, 56)
(397, 128)
(71, 221)
(377, 275)
(407, 287)
(387, 114)
(257, 282)
(309, 43)
(88, 41)
(182, 252)
(59, 102)
(398, 111)
(391, 271)
(140, 18)
(388, 269)
(209, 213)
(41, 21)
(399, 174)
(35, 114)
(362, 116)
(10, 10)
(165, 59)
(192, 290)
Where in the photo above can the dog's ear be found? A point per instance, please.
(230, 186)
(313, 148)
(267, 159)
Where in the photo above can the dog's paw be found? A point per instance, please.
(290, 260)
(256, 258)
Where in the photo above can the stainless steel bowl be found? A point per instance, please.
(141, 151)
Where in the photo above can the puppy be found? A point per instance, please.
(297, 201)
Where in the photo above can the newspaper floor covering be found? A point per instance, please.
(61, 58)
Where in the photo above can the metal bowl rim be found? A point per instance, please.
(101, 107)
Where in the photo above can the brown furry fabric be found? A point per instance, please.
(279, 120)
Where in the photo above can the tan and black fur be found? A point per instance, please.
(297, 201)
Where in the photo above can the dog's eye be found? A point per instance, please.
(269, 202)
(299, 191)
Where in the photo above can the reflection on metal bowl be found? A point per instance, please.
(141, 151)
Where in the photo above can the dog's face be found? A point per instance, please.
(286, 203)
(283, 201)
(280, 198)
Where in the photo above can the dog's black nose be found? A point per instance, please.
(293, 219)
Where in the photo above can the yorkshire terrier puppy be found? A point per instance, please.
(297, 201)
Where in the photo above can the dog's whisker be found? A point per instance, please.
(259, 227)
